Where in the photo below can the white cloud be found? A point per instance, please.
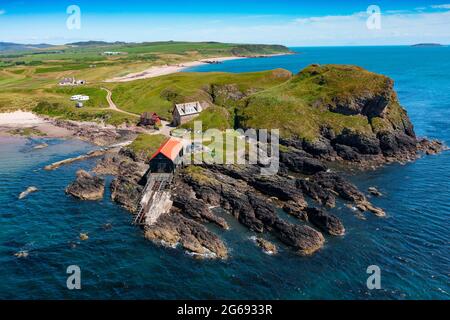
(441, 6)
(396, 28)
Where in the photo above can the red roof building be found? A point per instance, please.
(167, 157)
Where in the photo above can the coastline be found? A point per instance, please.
(36, 125)
(29, 125)
(157, 71)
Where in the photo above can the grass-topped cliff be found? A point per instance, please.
(334, 97)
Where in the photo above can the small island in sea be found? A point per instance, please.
(427, 45)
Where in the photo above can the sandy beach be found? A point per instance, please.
(28, 120)
(167, 69)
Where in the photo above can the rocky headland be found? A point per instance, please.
(355, 119)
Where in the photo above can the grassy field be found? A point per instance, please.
(61, 111)
(299, 105)
(161, 93)
(30, 77)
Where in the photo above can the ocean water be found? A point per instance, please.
(410, 245)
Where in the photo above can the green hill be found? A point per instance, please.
(332, 97)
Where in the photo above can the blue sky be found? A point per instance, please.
(289, 22)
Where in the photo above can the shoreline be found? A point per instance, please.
(31, 125)
(157, 71)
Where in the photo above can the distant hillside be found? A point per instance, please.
(9, 46)
(95, 43)
(427, 45)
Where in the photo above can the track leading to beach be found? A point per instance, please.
(113, 106)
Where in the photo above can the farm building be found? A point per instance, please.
(167, 157)
(185, 112)
(149, 119)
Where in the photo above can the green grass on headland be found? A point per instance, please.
(145, 145)
(107, 116)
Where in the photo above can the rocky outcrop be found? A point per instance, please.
(370, 103)
(300, 161)
(27, 192)
(326, 222)
(267, 246)
(197, 210)
(173, 229)
(374, 191)
(87, 187)
(127, 193)
(229, 189)
(94, 133)
(323, 187)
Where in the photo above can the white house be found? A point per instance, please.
(185, 112)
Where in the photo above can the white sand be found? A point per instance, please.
(19, 118)
(166, 69)
(22, 119)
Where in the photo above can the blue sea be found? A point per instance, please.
(410, 245)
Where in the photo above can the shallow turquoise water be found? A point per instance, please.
(411, 245)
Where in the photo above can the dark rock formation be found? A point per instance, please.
(252, 210)
(267, 246)
(301, 162)
(325, 222)
(87, 187)
(197, 210)
(324, 186)
(127, 187)
(172, 229)
(365, 144)
(374, 191)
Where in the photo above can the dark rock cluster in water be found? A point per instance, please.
(87, 187)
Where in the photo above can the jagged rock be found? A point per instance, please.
(27, 192)
(295, 211)
(365, 205)
(325, 222)
(316, 192)
(267, 246)
(304, 239)
(198, 210)
(126, 192)
(347, 153)
(21, 254)
(273, 186)
(127, 187)
(323, 185)
(87, 187)
(255, 212)
(173, 228)
(300, 161)
(374, 191)
(109, 165)
(365, 144)
(431, 147)
(320, 147)
(84, 236)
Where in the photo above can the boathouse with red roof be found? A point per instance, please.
(167, 157)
